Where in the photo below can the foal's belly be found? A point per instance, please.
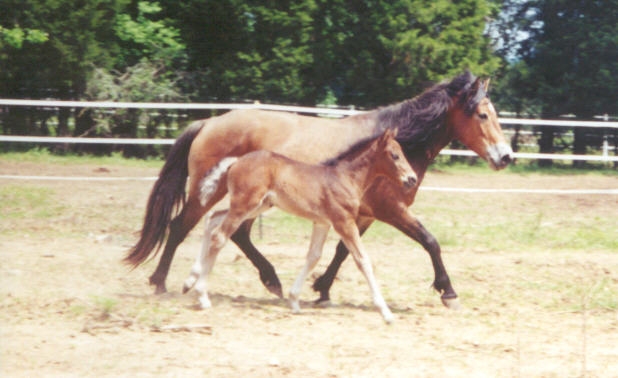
(302, 207)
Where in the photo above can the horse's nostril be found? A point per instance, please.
(507, 159)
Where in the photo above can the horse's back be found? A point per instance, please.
(304, 138)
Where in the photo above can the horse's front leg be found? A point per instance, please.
(404, 221)
(323, 283)
(268, 276)
(318, 238)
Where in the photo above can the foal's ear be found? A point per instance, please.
(389, 133)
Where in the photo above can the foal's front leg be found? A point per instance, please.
(318, 238)
(323, 283)
(351, 238)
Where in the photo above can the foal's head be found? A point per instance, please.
(390, 161)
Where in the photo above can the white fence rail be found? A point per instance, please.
(605, 157)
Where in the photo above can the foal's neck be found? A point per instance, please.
(358, 170)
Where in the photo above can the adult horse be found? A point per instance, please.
(457, 109)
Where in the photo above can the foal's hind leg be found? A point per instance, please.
(238, 213)
(318, 237)
(212, 221)
(216, 240)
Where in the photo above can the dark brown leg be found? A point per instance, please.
(268, 276)
(410, 226)
(178, 230)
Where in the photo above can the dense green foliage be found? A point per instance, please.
(549, 57)
(568, 61)
(352, 52)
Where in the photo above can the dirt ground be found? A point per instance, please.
(69, 307)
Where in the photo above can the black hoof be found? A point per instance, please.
(275, 289)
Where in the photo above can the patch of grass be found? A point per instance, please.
(479, 166)
(154, 314)
(43, 155)
(19, 202)
(105, 306)
(280, 227)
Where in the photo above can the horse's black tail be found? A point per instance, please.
(167, 195)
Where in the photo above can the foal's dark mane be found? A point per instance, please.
(421, 118)
(354, 150)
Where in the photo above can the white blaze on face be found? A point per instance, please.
(500, 155)
(491, 108)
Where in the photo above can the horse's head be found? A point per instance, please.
(475, 123)
(391, 161)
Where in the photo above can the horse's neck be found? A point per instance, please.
(429, 148)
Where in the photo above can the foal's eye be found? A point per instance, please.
(483, 116)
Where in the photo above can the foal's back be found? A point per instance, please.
(264, 178)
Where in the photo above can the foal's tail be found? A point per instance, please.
(167, 195)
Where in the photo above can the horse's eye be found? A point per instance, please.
(483, 116)
(395, 156)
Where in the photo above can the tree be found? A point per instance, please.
(77, 35)
(570, 61)
(365, 53)
(440, 38)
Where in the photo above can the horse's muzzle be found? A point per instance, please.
(499, 155)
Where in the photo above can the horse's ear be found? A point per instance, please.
(486, 85)
(470, 93)
(475, 87)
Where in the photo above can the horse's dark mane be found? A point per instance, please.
(421, 118)
(354, 150)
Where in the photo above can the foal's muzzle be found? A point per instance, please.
(409, 181)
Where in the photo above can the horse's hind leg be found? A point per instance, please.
(268, 276)
(179, 228)
(318, 237)
(191, 213)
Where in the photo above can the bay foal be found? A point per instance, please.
(329, 194)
